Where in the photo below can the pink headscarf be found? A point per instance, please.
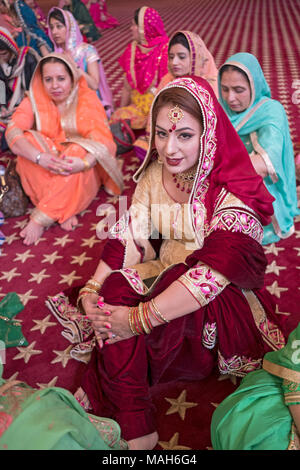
(146, 62)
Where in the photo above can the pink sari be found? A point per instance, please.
(100, 15)
(82, 54)
(145, 63)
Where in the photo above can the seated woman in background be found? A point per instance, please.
(32, 34)
(39, 13)
(195, 226)
(83, 18)
(100, 15)
(187, 55)
(16, 69)
(262, 124)
(144, 62)
(8, 20)
(263, 413)
(64, 146)
(66, 37)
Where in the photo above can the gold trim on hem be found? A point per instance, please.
(41, 218)
(281, 371)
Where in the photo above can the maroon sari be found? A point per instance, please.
(235, 328)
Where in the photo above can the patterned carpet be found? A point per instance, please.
(62, 260)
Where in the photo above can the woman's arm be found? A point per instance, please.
(92, 75)
(125, 94)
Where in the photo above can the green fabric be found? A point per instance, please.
(83, 18)
(10, 329)
(270, 123)
(51, 419)
(254, 417)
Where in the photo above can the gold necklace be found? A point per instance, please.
(184, 181)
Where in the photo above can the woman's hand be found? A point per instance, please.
(110, 322)
(54, 164)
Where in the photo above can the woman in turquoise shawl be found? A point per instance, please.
(262, 124)
(264, 412)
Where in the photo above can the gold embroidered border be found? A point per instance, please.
(281, 371)
(12, 135)
(292, 398)
(41, 218)
(264, 155)
(104, 158)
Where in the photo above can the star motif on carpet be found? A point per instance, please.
(232, 378)
(9, 275)
(298, 249)
(41, 239)
(90, 242)
(69, 278)
(11, 238)
(180, 405)
(274, 289)
(23, 256)
(27, 352)
(62, 356)
(27, 296)
(172, 444)
(62, 241)
(51, 258)
(42, 325)
(280, 313)
(273, 268)
(21, 224)
(52, 383)
(80, 259)
(272, 249)
(39, 277)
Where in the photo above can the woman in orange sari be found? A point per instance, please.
(64, 145)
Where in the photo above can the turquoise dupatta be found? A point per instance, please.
(263, 127)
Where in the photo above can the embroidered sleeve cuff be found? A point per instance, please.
(203, 283)
(291, 392)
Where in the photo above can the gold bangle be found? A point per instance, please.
(158, 312)
(142, 319)
(87, 166)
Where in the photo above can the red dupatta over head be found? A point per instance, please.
(223, 161)
(146, 62)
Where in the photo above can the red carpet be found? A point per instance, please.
(61, 260)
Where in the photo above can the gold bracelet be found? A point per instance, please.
(87, 166)
(158, 312)
(95, 283)
(142, 319)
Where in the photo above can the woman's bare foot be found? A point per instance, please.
(147, 442)
(70, 223)
(32, 232)
(82, 399)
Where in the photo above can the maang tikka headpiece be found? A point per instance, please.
(175, 115)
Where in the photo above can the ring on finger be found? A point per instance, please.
(113, 335)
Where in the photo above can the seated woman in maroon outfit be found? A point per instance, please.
(195, 226)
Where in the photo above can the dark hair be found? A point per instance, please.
(136, 16)
(57, 15)
(228, 67)
(180, 97)
(179, 38)
(53, 60)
